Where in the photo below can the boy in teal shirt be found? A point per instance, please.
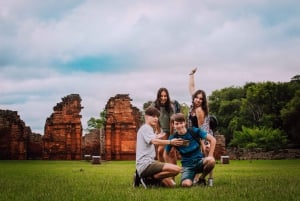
(192, 159)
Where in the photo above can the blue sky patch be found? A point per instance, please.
(94, 64)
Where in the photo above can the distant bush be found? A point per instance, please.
(265, 138)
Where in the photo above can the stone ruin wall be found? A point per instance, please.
(14, 136)
(63, 138)
(91, 143)
(63, 130)
(255, 154)
(122, 123)
(17, 142)
(220, 149)
(35, 146)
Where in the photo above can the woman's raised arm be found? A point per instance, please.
(192, 81)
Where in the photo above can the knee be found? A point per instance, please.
(173, 169)
(186, 183)
(209, 161)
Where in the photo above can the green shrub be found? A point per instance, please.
(265, 138)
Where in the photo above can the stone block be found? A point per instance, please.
(96, 160)
(224, 159)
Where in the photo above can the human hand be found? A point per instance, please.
(209, 158)
(193, 71)
(177, 142)
(161, 135)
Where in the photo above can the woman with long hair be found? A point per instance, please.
(167, 108)
(198, 116)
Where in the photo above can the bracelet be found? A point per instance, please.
(170, 142)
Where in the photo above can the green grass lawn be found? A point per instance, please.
(270, 180)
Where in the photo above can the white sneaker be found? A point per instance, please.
(210, 182)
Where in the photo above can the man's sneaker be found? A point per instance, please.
(195, 181)
(150, 182)
(154, 182)
(210, 182)
(201, 181)
(143, 182)
(136, 179)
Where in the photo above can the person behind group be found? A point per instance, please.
(146, 165)
(198, 114)
(192, 159)
(167, 108)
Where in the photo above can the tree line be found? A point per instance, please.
(259, 115)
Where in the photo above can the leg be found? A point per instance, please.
(210, 179)
(168, 170)
(208, 166)
(187, 176)
(171, 157)
(211, 175)
(160, 153)
(168, 174)
(158, 171)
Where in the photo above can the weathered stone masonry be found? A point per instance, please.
(122, 123)
(14, 136)
(63, 130)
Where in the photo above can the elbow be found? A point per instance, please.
(212, 140)
(154, 141)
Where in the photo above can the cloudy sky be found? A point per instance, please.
(50, 49)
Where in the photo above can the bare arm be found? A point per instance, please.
(212, 142)
(174, 141)
(200, 116)
(192, 81)
(202, 147)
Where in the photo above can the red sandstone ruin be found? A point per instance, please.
(63, 130)
(14, 135)
(122, 123)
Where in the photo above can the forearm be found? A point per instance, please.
(191, 84)
(157, 141)
(212, 142)
(192, 81)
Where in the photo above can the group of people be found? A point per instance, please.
(167, 132)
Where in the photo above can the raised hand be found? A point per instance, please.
(193, 71)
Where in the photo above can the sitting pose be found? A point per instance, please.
(146, 165)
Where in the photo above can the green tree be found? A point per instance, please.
(147, 104)
(263, 104)
(94, 123)
(291, 118)
(225, 105)
(296, 78)
(184, 109)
